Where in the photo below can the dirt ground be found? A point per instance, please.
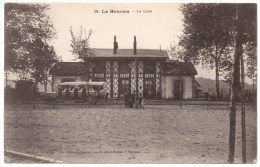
(114, 134)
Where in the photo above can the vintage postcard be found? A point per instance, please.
(130, 83)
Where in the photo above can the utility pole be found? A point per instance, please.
(243, 120)
(235, 90)
(6, 79)
(136, 83)
(243, 115)
(253, 93)
(181, 85)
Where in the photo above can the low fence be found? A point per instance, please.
(121, 102)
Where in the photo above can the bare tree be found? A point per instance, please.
(80, 48)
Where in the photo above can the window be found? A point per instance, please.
(148, 82)
(125, 82)
(99, 75)
(124, 86)
(149, 91)
(125, 75)
(149, 75)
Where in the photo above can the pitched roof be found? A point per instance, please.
(77, 68)
(121, 53)
(68, 69)
(176, 68)
(170, 68)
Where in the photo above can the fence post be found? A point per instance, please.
(207, 99)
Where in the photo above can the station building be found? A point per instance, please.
(146, 71)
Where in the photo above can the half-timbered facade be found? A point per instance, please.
(146, 72)
(123, 69)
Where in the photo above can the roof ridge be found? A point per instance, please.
(129, 49)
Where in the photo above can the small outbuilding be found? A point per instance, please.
(178, 80)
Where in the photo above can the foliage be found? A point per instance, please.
(24, 89)
(249, 17)
(24, 23)
(207, 36)
(43, 58)
(209, 30)
(80, 48)
(205, 27)
(249, 42)
(175, 51)
(226, 70)
(251, 61)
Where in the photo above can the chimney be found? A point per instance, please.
(135, 52)
(115, 45)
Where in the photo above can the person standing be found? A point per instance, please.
(131, 100)
(135, 99)
(67, 92)
(76, 93)
(84, 95)
(126, 99)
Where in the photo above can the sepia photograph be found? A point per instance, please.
(129, 83)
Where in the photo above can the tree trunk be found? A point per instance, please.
(232, 116)
(235, 89)
(181, 90)
(45, 86)
(230, 92)
(6, 79)
(52, 86)
(217, 79)
(253, 93)
(88, 78)
(243, 121)
(45, 83)
(34, 91)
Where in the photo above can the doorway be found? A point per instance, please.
(149, 89)
(124, 86)
(178, 89)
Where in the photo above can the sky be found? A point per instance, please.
(154, 25)
(151, 29)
